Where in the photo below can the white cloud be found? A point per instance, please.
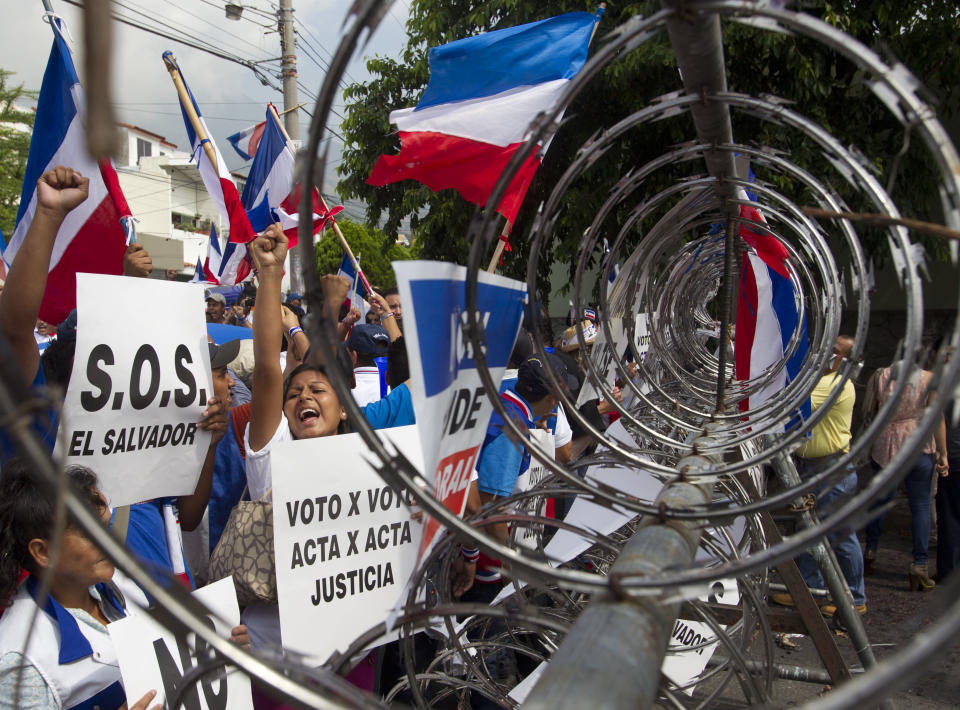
(230, 96)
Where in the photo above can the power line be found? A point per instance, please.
(180, 40)
(176, 113)
(177, 103)
(211, 24)
(242, 17)
(167, 23)
(320, 44)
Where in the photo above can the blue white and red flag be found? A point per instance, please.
(247, 141)
(216, 178)
(768, 312)
(91, 238)
(199, 276)
(270, 194)
(235, 265)
(356, 299)
(483, 93)
(211, 265)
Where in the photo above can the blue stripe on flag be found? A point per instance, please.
(235, 139)
(271, 146)
(55, 112)
(493, 62)
(215, 239)
(784, 305)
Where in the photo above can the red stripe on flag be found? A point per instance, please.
(746, 324)
(472, 168)
(255, 138)
(769, 248)
(240, 230)
(96, 248)
(112, 182)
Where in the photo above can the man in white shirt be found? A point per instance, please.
(366, 342)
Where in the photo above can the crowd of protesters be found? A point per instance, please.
(275, 387)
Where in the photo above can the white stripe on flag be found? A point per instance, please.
(767, 347)
(501, 119)
(72, 152)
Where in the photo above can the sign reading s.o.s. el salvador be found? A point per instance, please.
(449, 399)
(140, 381)
(345, 542)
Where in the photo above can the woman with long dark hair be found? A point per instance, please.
(70, 660)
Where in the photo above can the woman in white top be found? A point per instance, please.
(302, 407)
(70, 660)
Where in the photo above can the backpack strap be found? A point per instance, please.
(121, 522)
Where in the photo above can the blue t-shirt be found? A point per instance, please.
(396, 409)
(502, 460)
(146, 536)
(229, 480)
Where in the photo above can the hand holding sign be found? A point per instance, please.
(137, 261)
(144, 702)
(138, 390)
(214, 420)
(152, 656)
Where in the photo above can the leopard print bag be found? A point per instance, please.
(245, 552)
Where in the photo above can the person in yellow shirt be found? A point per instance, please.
(829, 440)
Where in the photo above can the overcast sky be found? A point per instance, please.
(229, 95)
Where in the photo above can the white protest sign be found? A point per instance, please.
(529, 535)
(692, 643)
(141, 379)
(690, 647)
(345, 541)
(449, 399)
(522, 689)
(607, 355)
(154, 658)
(600, 518)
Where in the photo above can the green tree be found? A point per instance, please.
(824, 86)
(373, 248)
(15, 131)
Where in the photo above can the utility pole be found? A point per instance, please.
(291, 117)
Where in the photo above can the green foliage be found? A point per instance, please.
(822, 86)
(15, 134)
(373, 248)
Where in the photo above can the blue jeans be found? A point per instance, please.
(843, 540)
(917, 483)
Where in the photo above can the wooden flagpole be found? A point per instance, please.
(505, 233)
(336, 227)
(189, 109)
(501, 243)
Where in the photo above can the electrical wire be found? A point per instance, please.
(260, 74)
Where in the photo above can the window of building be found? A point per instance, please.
(144, 149)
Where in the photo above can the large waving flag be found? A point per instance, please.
(475, 113)
(269, 194)
(245, 142)
(91, 238)
(216, 176)
(767, 312)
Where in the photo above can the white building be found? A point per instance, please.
(166, 194)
